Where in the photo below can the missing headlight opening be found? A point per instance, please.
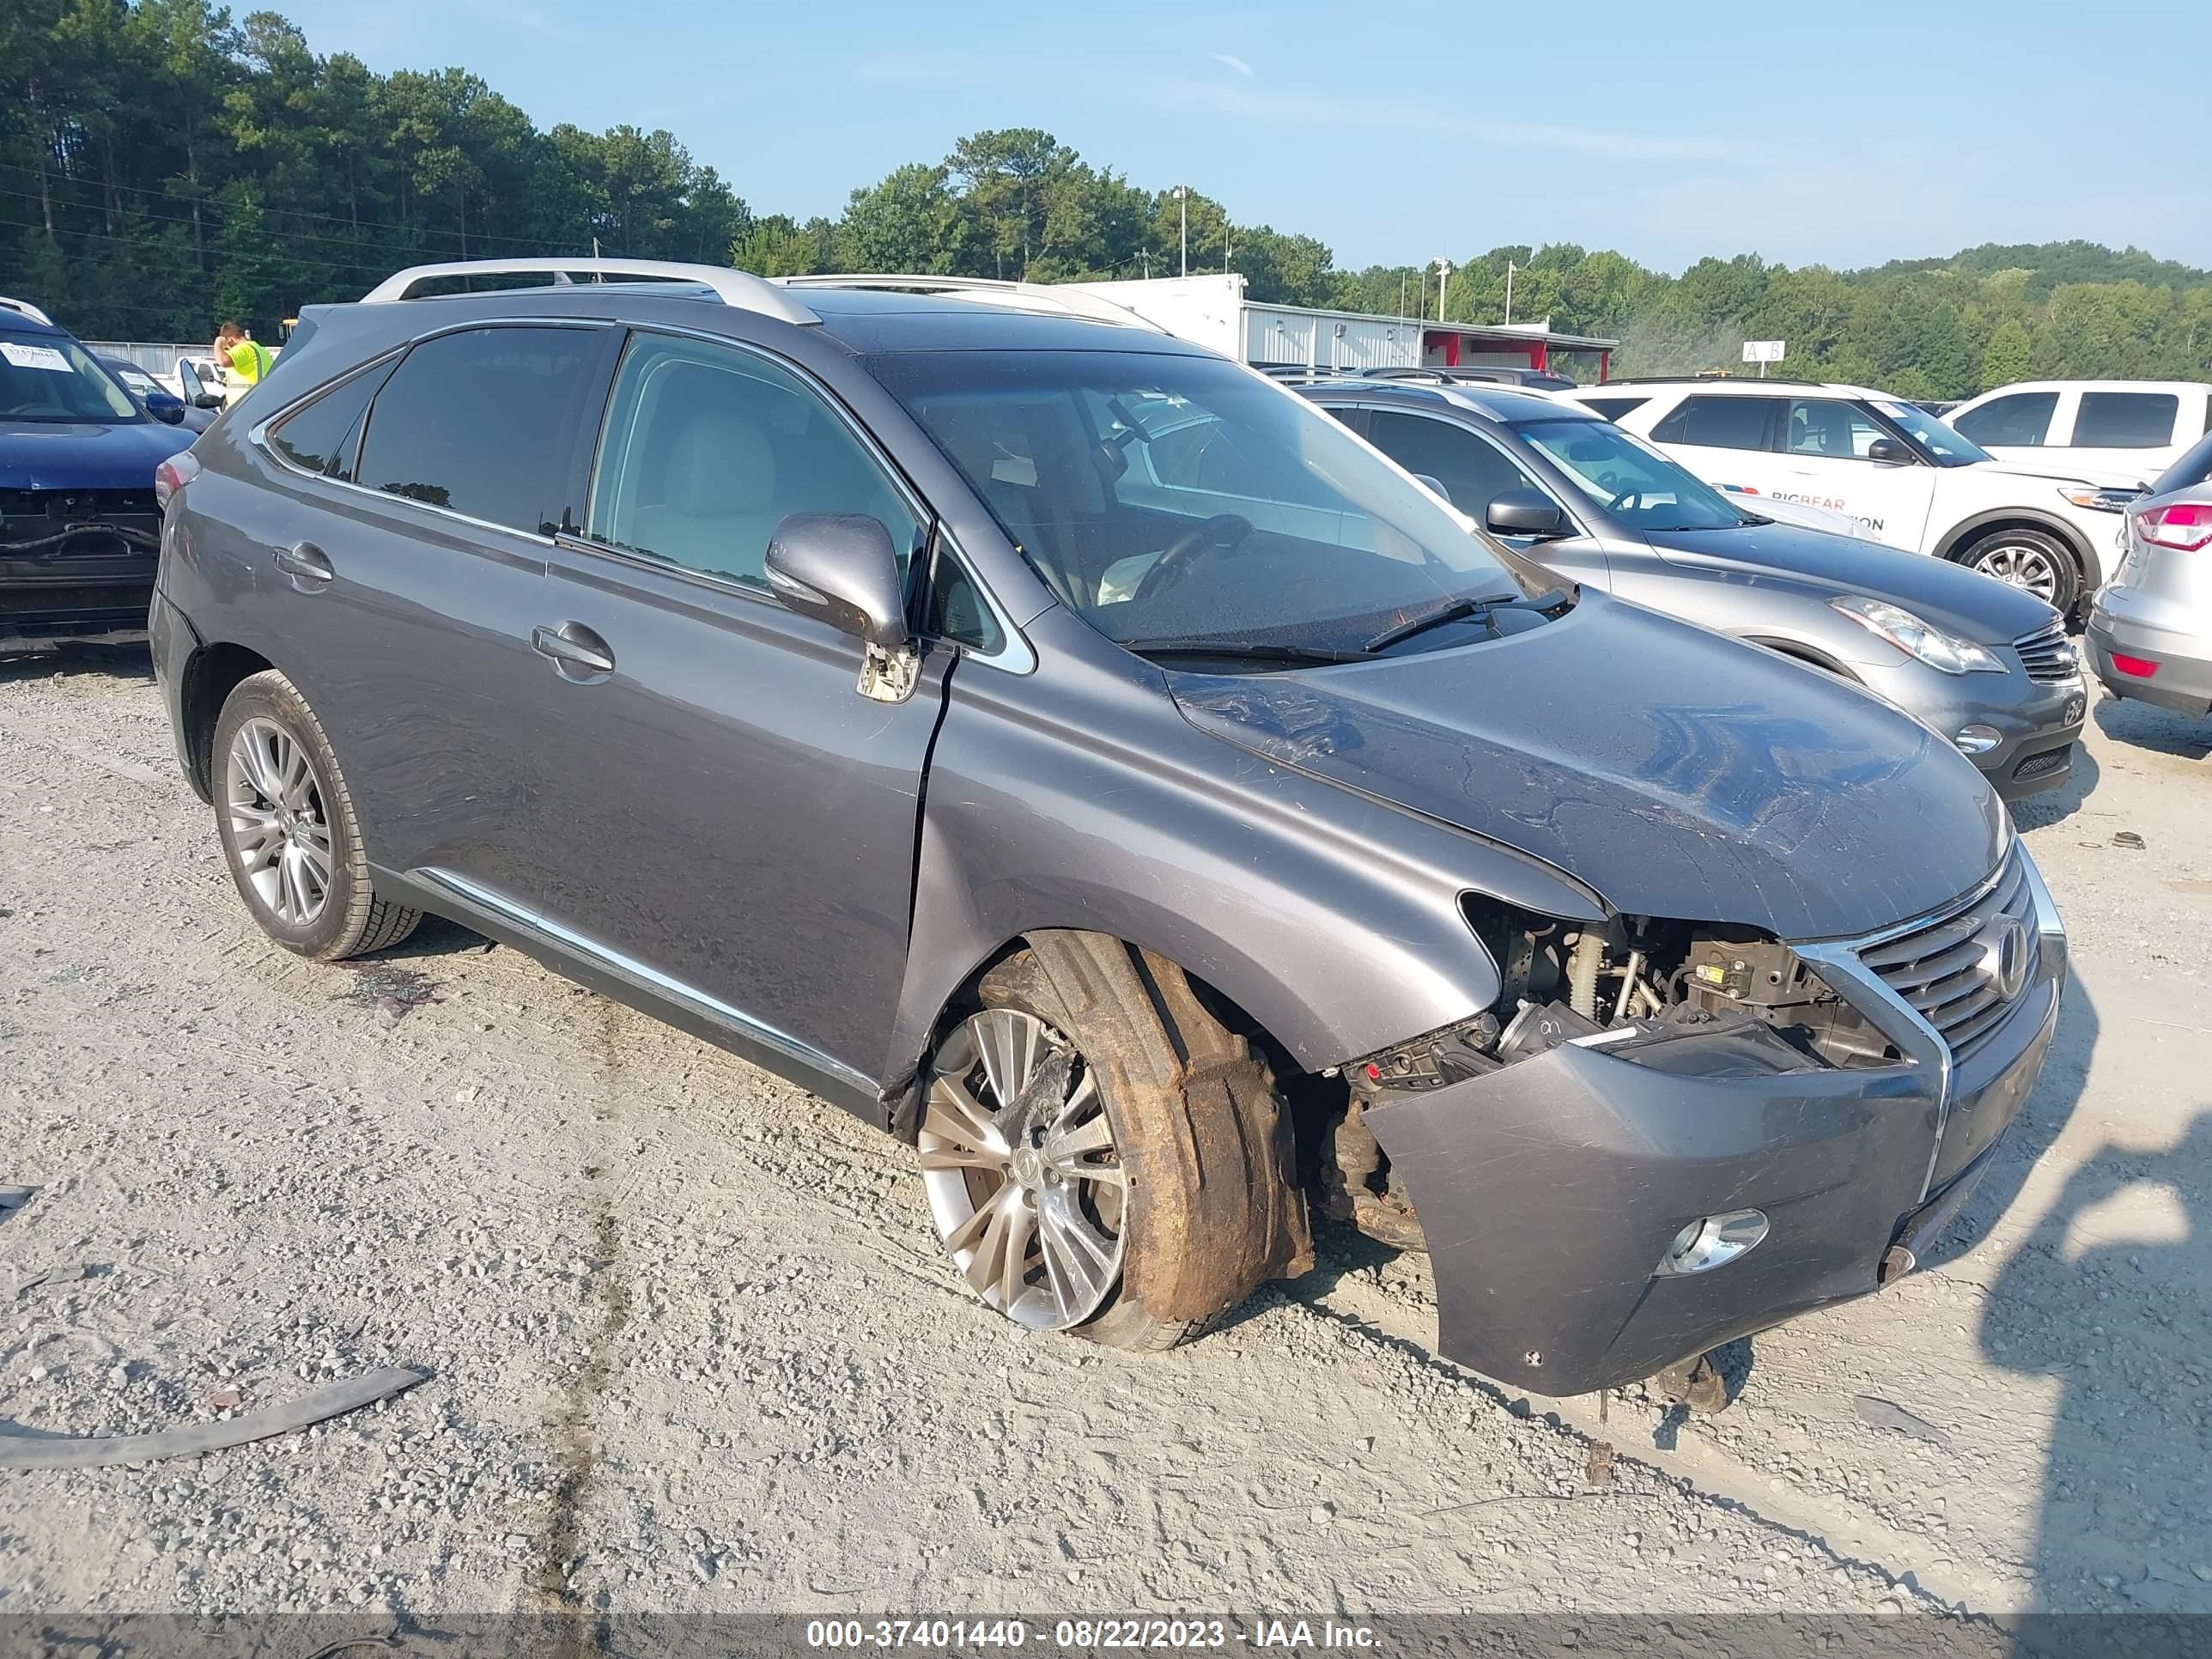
(1698, 999)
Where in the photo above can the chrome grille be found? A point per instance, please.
(1948, 969)
(2047, 654)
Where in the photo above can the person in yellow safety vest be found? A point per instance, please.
(242, 359)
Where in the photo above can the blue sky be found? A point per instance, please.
(1840, 131)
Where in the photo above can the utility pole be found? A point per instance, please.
(1509, 290)
(1182, 208)
(1146, 254)
(1401, 294)
(1444, 276)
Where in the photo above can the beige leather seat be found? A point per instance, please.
(718, 504)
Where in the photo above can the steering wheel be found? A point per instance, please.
(1220, 532)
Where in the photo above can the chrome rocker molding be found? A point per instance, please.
(636, 974)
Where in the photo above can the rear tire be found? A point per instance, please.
(288, 828)
(1143, 1143)
(2034, 560)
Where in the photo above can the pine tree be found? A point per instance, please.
(2004, 360)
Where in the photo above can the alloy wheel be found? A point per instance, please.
(1025, 1181)
(2023, 566)
(274, 806)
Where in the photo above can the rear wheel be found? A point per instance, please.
(288, 828)
(2032, 560)
(1100, 1155)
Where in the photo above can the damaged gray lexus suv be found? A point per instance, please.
(1092, 763)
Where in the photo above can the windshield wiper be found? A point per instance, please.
(1255, 650)
(1464, 609)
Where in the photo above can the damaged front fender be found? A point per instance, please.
(1550, 1189)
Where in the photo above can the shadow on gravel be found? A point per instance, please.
(122, 662)
(2149, 726)
(2057, 1093)
(2106, 1299)
(433, 936)
(2062, 802)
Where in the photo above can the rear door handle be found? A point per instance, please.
(577, 651)
(307, 565)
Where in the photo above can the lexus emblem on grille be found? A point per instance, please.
(2004, 956)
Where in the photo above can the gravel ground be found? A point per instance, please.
(691, 1344)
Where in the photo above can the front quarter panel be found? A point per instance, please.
(1076, 796)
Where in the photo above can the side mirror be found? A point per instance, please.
(841, 568)
(1891, 452)
(165, 407)
(1434, 485)
(1527, 513)
(195, 391)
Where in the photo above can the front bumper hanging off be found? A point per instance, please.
(1550, 1190)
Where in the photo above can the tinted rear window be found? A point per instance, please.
(320, 436)
(1718, 422)
(474, 422)
(2125, 420)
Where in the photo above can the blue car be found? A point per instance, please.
(80, 529)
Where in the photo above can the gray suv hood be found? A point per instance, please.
(1958, 600)
(1676, 773)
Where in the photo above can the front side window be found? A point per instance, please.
(1473, 471)
(2125, 420)
(1826, 429)
(708, 448)
(2018, 420)
(1632, 481)
(1173, 498)
(1711, 422)
(1941, 443)
(475, 423)
(50, 378)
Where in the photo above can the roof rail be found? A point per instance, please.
(27, 309)
(1054, 296)
(740, 288)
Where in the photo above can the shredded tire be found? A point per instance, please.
(1201, 1131)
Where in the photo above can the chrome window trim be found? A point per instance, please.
(646, 978)
(258, 433)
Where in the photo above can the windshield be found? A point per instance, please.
(134, 378)
(1173, 500)
(1635, 484)
(1949, 447)
(50, 377)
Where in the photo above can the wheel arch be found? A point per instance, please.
(931, 1013)
(210, 674)
(1968, 530)
(1811, 655)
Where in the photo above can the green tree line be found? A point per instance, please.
(163, 167)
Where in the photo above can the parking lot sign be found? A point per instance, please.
(1762, 352)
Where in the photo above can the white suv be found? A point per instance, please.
(2136, 427)
(1903, 475)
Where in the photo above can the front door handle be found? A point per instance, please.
(576, 652)
(307, 565)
